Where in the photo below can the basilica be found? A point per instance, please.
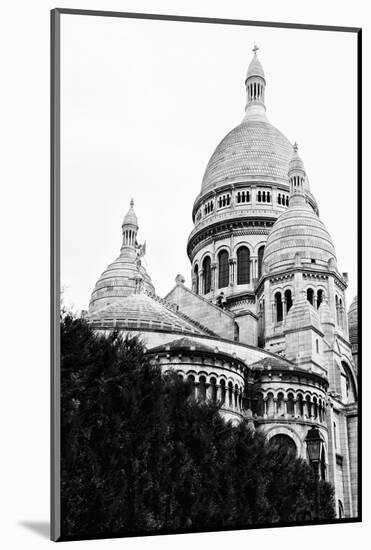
(264, 329)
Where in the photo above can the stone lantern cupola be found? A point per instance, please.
(255, 83)
(130, 228)
(297, 175)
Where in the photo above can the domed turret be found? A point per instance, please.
(126, 275)
(298, 237)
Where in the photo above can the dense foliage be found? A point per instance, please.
(138, 454)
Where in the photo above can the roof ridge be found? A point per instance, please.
(205, 300)
(171, 307)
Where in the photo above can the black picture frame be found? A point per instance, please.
(55, 105)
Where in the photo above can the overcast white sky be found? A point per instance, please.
(145, 103)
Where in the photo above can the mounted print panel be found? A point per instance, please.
(205, 371)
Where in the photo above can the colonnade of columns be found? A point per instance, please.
(231, 396)
(271, 406)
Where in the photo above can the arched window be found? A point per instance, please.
(206, 268)
(300, 405)
(230, 394)
(337, 310)
(290, 405)
(323, 465)
(260, 261)
(278, 305)
(213, 389)
(223, 260)
(284, 442)
(191, 382)
(340, 509)
(196, 279)
(243, 265)
(315, 408)
(222, 391)
(236, 332)
(288, 300)
(259, 196)
(319, 297)
(310, 295)
(348, 389)
(280, 405)
(279, 198)
(287, 201)
(341, 313)
(259, 405)
(309, 406)
(202, 388)
(270, 405)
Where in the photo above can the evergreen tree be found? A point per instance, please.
(138, 453)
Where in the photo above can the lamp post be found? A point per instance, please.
(314, 443)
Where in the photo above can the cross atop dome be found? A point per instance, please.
(255, 48)
(131, 203)
(295, 147)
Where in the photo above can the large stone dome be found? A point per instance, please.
(254, 150)
(299, 237)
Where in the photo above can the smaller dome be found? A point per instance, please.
(141, 311)
(126, 275)
(255, 68)
(298, 237)
(131, 217)
(119, 280)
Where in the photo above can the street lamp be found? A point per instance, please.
(314, 443)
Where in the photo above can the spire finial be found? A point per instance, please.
(255, 48)
(295, 147)
(131, 203)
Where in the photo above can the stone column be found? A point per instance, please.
(232, 263)
(213, 276)
(201, 282)
(275, 405)
(285, 406)
(295, 408)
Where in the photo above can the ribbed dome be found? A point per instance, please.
(141, 311)
(254, 149)
(298, 237)
(119, 280)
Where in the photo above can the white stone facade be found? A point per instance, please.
(263, 331)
